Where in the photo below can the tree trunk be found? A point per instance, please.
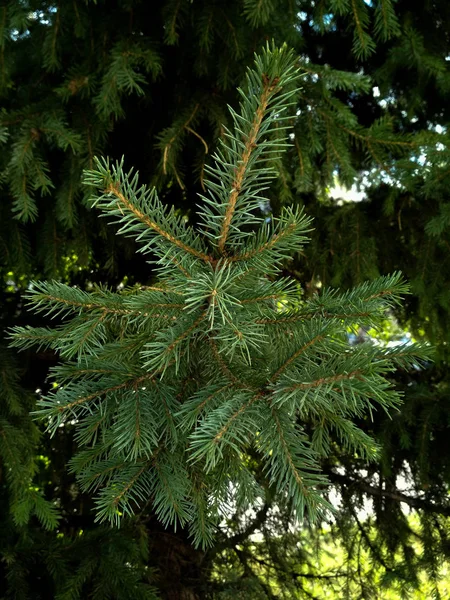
(182, 572)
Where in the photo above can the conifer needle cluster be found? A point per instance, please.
(173, 386)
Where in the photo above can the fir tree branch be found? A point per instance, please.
(287, 454)
(114, 189)
(107, 309)
(205, 145)
(85, 337)
(88, 481)
(235, 415)
(248, 571)
(235, 383)
(267, 90)
(174, 137)
(226, 370)
(364, 40)
(15, 460)
(172, 35)
(301, 316)
(293, 575)
(267, 245)
(233, 31)
(375, 551)
(185, 333)
(169, 492)
(396, 496)
(324, 381)
(295, 355)
(202, 404)
(258, 299)
(367, 138)
(116, 500)
(103, 392)
(155, 288)
(233, 540)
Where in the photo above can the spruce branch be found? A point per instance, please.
(268, 88)
(296, 354)
(240, 173)
(223, 430)
(363, 44)
(169, 386)
(125, 204)
(174, 137)
(131, 205)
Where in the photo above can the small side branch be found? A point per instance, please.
(268, 88)
(114, 189)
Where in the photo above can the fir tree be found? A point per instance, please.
(169, 386)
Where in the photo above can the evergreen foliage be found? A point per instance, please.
(169, 386)
(79, 79)
(18, 440)
(50, 140)
(97, 564)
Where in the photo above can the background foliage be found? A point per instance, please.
(83, 78)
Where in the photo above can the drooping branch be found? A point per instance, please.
(396, 496)
(238, 538)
